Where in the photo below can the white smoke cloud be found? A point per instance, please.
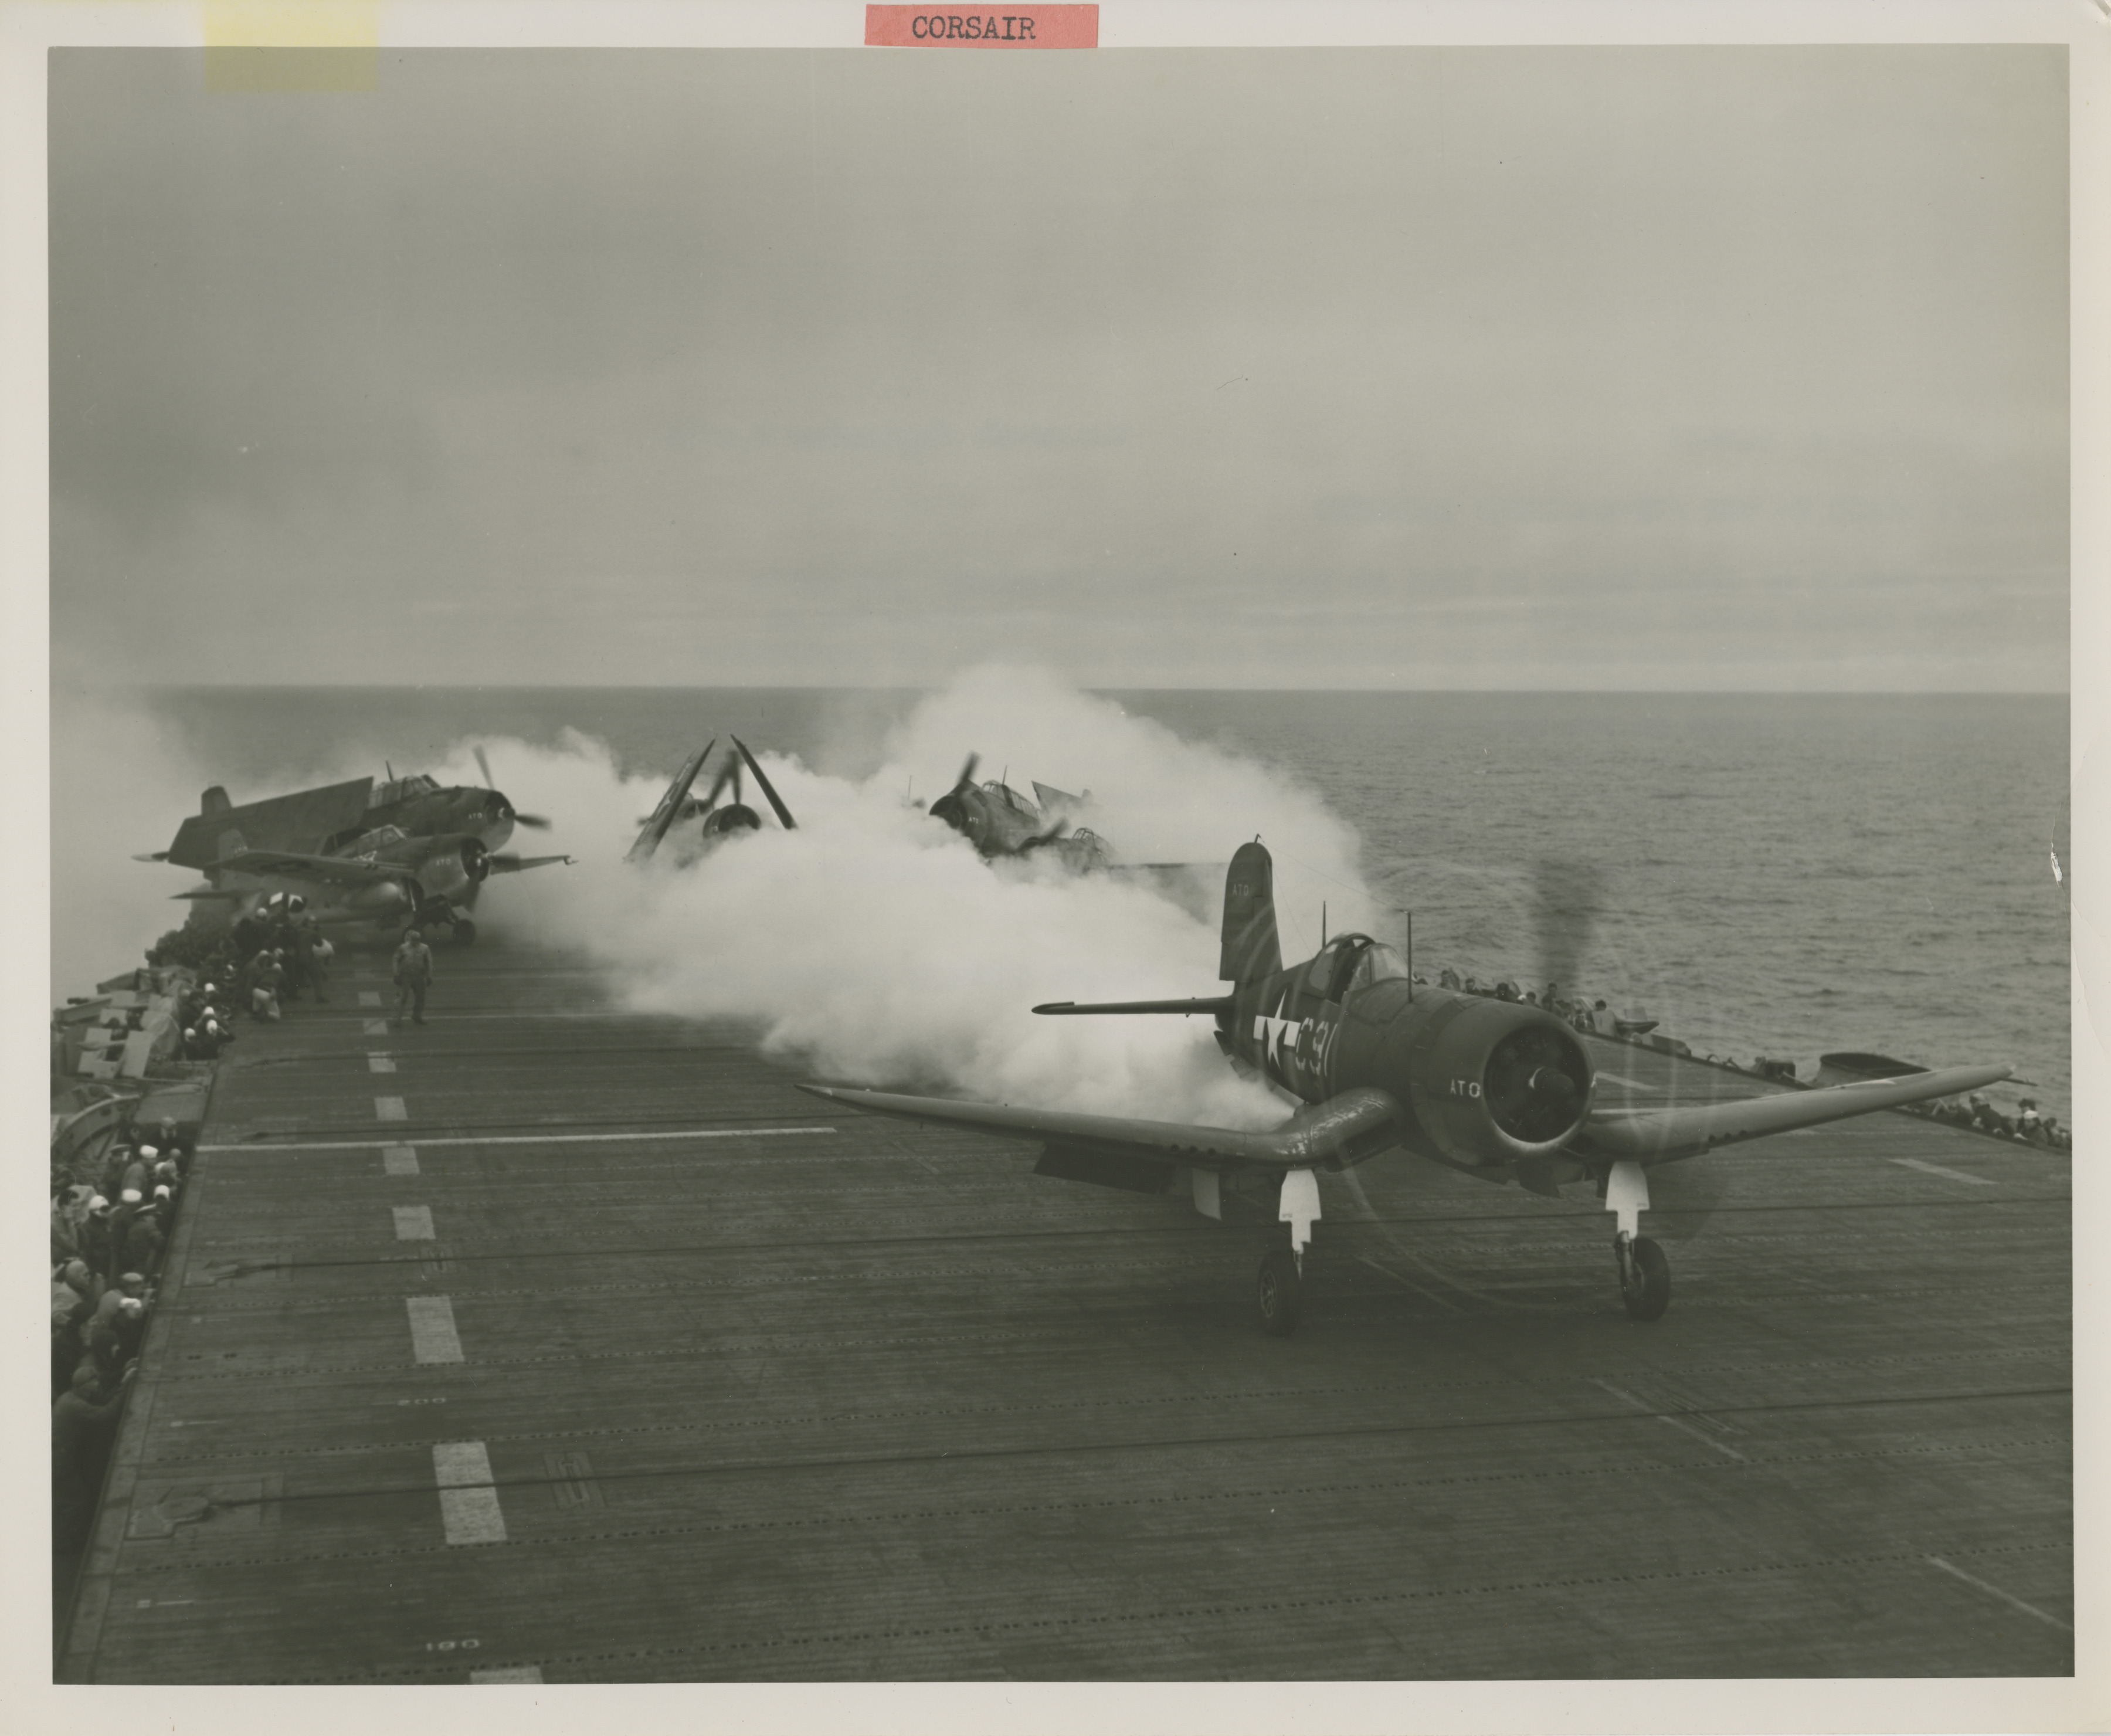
(119, 787)
(872, 944)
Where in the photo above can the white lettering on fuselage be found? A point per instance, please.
(1293, 1046)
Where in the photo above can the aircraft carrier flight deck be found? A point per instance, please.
(549, 1342)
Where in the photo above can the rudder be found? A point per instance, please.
(1251, 948)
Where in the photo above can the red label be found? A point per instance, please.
(974, 27)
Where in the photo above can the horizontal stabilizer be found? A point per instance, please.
(1222, 1003)
(1344, 1129)
(1659, 1135)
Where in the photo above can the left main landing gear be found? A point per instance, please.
(1645, 1276)
(1280, 1289)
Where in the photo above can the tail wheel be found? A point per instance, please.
(1645, 1283)
(465, 932)
(1279, 1291)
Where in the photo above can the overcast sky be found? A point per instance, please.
(1669, 368)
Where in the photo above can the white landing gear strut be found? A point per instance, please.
(1644, 1273)
(1280, 1292)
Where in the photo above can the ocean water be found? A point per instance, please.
(1768, 874)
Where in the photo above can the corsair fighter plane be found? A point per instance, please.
(1502, 1090)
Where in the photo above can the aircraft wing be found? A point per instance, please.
(291, 865)
(1345, 1129)
(520, 864)
(663, 816)
(282, 822)
(1659, 1135)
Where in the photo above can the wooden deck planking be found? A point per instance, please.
(882, 1403)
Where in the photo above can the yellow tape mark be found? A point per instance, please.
(292, 44)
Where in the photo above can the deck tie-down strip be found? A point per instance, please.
(363, 1145)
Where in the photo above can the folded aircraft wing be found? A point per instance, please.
(1659, 1135)
(663, 816)
(291, 865)
(1343, 1130)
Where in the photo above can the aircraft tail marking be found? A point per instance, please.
(1251, 949)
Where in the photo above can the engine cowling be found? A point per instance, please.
(450, 873)
(1496, 1081)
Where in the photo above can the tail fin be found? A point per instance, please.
(232, 843)
(213, 801)
(1251, 949)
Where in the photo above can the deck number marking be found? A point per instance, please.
(507, 1673)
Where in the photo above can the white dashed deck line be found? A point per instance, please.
(1706, 1440)
(1995, 1591)
(1937, 1169)
(360, 1145)
(511, 1673)
(432, 1335)
(399, 1160)
(468, 1504)
(390, 1109)
(370, 998)
(380, 1063)
(1622, 1078)
(413, 1223)
(374, 1027)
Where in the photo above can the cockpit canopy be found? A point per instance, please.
(1349, 963)
(399, 789)
(379, 838)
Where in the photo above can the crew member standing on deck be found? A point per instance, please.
(412, 968)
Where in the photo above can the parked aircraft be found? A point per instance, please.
(999, 821)
(335, 817)
(385, 877)
(1498, 1090)
(715, 825)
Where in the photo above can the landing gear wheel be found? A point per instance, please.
(1280, 1291)
(465, 932)
(1644, 1280)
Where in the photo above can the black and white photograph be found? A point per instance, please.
(1205, 848)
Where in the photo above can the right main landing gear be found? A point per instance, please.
(1645, 1276)
(1280, 1291)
